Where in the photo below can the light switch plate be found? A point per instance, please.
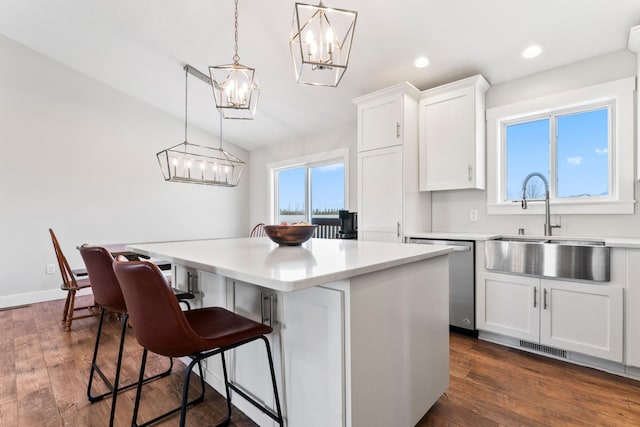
(473, 215)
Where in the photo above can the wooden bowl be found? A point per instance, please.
(289, 235)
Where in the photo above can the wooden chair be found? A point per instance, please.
(71, 285)
(197, 334)
(258, 231)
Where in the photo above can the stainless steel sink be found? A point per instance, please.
(557, 258)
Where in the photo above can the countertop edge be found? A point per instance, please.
(288, 286)
(612, 242)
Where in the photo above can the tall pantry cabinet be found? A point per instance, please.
(389, 201)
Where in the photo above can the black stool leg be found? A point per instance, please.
(116, 382)
(136, 406)
(273, 381)
(228, 392)
(93, 360)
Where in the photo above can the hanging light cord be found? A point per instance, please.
(186, 79)
(236, 58)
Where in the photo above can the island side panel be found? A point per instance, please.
(399, 321)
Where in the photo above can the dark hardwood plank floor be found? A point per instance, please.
(44, 372)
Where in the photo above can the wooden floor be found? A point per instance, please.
(44, 372)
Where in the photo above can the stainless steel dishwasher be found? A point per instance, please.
(462, 301)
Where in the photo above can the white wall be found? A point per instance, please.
(450, 209)
(79, 157)
(340, 137)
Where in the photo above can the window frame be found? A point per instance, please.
(308, 162)
(620, 95)
(553, 116)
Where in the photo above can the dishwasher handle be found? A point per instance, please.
(457, 246)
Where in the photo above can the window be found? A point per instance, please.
(309, 189)
(570, 148)
(581, 141)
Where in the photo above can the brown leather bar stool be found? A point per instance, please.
(107, 295)
(198, 334)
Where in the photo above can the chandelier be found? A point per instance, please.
(197, 164)
(235, 86)
(320, 43)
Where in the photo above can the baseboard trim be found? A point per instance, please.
(8, 301)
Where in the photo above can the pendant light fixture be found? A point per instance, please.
(235, 86)
(196, 164)
(320, 43)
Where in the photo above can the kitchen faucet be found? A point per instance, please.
(547, 212)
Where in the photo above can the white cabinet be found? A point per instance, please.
(249, 364)
(575, 316)
(307, 342)
(379, 122)
(582, 317)
(452, 135)
(508, 305)
(314, 357)
(388, 197)
(632, 308)
(380, 194)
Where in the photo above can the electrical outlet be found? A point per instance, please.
(473, 215)
(51, 269)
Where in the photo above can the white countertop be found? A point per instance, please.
(288, 268)
(614, 242)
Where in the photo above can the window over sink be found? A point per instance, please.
(569, 147)
(582, 141)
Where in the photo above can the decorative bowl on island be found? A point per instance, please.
(290, 235)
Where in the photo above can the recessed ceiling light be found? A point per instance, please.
(532, 51)
(421, 62)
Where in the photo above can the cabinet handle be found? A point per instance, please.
(535, 297)
(398, 229)
(264, 317)
(470, 172)
(545, 299)
(273, 310)
(189, 282)
(397, 129)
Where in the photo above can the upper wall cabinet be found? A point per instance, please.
(381, 117)
(452, 135)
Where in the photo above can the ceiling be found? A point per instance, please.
(139, 47)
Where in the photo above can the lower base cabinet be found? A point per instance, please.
(574, 316)
(311, 323)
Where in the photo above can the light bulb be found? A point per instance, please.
(309, 37)
(330, 41)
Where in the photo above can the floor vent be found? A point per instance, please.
(543, 349)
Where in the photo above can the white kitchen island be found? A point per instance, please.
(361, 334)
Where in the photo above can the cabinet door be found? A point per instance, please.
(582, 317)
(380, 195)
(379, 123)
(447, 141)
(508, 304)
(212, 292)
(313, 337)
(632, 308)
(250, 366)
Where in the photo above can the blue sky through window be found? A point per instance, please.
(327, 190)
(582, 154)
